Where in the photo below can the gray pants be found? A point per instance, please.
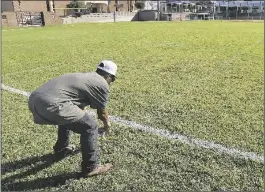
(88, 129)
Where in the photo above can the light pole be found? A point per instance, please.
(213, 10)
(158, 10)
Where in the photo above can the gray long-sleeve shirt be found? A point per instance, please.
(61, 100)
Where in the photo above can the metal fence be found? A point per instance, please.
(26, 18)
(216, 10)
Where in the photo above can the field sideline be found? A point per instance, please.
(198, 79)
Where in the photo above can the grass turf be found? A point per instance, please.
(201, 79)
(142, 162)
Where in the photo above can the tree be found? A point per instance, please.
(19, 3)
(75, 4)
(139, 5)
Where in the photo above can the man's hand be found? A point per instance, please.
(104, 117)
(107, 125)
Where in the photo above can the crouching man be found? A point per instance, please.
(61, 101)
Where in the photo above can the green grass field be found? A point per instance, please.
(199, 79)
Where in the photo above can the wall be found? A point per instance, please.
(151, 15)
(100, 17)
(38, 6)
(146, 15)
(32, 6)
(51, 19)
(125, 3)
(4, 22)
(11, 19)
(7, 6)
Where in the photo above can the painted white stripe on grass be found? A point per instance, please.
(13, 90)
(166, 134)
(190, 141)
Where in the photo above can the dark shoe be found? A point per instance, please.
(70, 149)
(97, 170)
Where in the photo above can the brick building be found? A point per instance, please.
(54, 10)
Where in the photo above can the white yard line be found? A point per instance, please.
(166, 134)
(13, 90)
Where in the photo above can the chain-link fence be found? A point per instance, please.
(229, 10)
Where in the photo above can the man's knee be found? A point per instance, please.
(85, 124)
(88, 120)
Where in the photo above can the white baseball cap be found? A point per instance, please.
(108, 66)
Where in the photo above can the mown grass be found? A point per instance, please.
(201, 79)
(142, 162)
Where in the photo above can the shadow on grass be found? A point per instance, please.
(40, 183)
(37, 164)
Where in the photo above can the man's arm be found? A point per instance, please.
(103, 115)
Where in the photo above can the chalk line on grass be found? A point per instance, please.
(13, 90)
(166, 134)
